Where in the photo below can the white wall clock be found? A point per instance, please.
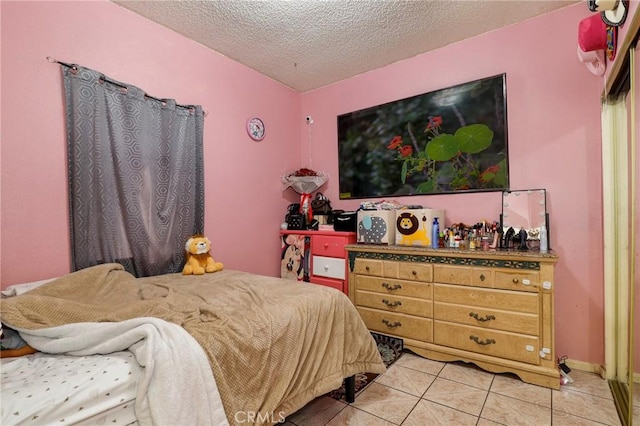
(255, 128)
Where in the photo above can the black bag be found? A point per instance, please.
(294, 218)
(295, 221)
(321, 204)
(345, 222)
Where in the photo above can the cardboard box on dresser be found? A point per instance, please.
(412, 227)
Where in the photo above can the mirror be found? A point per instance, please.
(525, 209)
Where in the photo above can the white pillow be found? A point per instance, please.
(18, 289)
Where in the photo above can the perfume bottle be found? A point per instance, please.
(544, 242)
(435, 233)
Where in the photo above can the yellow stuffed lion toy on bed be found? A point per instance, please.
(198, 258)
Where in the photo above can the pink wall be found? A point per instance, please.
(242, 177)
(554, 143)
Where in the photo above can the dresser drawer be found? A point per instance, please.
(408, 271)
(329, 267)
(466, 275)
(487, 298)
(521, 280)
(398, 324)
(386, 286)
(452, 274)
(368, 267)
(517, 280)
(481, 277)
(395, 303)
(517, 347)
(328, 282)
(487, 318)
(328, 245)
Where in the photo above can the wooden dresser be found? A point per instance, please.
(491, 308)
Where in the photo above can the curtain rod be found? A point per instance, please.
(74, 67)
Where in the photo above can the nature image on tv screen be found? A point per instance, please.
(446, 141)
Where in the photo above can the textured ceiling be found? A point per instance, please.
(306, 44)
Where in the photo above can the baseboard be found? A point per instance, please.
(586, 366)
(594, 368)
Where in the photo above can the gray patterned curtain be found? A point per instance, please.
(136, 174)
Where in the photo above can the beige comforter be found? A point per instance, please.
(273, 345)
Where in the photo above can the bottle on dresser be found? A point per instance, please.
(435, 233)
(544, 242)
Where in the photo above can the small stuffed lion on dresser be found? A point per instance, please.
(198, 258)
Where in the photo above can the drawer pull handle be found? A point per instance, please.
(482, 277)
(478, 318)
(414, 272)
(391, 287)
(515, 281)
(391, 325)
(480, 342)
(391, 304)
(366, 268)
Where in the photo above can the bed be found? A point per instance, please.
(228, 347)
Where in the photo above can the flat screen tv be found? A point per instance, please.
(447, 141)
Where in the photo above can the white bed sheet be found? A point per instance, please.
(63, 389)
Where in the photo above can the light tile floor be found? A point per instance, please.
(417, 391)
